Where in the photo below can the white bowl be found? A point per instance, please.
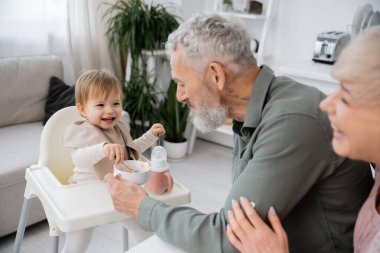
(139, 174)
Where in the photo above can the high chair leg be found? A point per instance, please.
(22, 224)
(54, 244)
(125, 239)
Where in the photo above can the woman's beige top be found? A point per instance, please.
(367, 228)
(88, 141)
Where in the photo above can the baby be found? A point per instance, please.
(101, 139)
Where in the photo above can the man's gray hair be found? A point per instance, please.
(209, 37)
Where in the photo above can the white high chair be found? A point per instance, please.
(76, 206)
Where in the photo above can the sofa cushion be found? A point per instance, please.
(24, 85)
(60, 95)
(13, 196)
(20, 148)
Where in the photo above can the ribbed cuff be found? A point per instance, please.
(151, 136)
(145, 213)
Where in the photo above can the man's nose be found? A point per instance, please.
(181, 94)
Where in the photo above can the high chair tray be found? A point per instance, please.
(89, 204)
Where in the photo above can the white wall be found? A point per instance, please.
(294, 29)
(187, 7)
(298, 22)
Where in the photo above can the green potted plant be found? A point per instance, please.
(173, 115)
(140, 100)
(227, 5)
(135, 28)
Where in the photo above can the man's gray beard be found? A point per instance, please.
(208, 119)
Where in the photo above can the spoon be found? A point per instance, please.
(128, 169)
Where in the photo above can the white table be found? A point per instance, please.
(154, 244)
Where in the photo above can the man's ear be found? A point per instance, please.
(80, 108)
(217, 74)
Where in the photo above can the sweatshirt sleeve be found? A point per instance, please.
(185, 227)
(145, 141)
(88, 156)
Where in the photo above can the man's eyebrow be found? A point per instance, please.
(176, 79)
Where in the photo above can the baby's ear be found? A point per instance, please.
(80, 108)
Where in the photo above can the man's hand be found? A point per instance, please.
(126, 196)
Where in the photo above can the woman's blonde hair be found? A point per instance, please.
(360, 63)
(96, 83)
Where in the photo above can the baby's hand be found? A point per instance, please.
(158, 129)
(114, 152)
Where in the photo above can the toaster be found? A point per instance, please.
(329, 45)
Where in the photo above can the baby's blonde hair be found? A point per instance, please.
(360, 63)
(96, 83)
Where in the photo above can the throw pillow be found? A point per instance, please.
(60, 95)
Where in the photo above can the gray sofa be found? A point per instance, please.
(24, 85)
